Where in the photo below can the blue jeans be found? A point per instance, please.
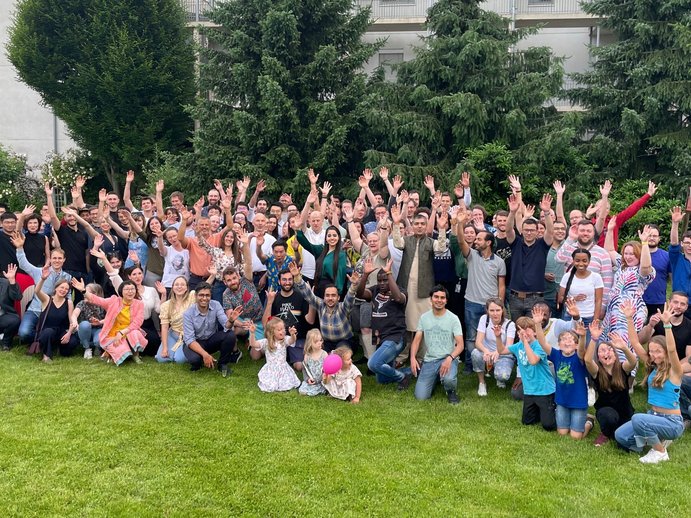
(472, 314)
(177, 356)
(88, 335)
(685, 397)
(650, 429)
(27, 327)
(503, 367)
(383, 360)
(217, 289)
(428, 375)
(571, 418)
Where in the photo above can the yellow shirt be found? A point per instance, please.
(122, 321)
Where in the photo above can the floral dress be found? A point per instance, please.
(276, 375)
(313, 369)
(628, 285)
(342, 384)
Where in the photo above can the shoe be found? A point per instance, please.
(137, 359)
(601, 440)
(467, 371)
(88, 353)
(482, 389)
(235, 356)
(225, 370)
(501, 384)
(592, 396)
(687, 424)
(404, 383)
(5, 348)
(666, 443)
(47, 359)
(195, 368)
(370, 373)
(654, 456)
(452, 397)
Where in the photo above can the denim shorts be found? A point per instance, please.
(571, 418)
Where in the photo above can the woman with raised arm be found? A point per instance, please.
(663, 422)
(610, 376)
(54, 328)
(181, 298)
(121, 335)
(229, 253)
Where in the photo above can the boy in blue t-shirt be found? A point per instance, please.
(538, 382)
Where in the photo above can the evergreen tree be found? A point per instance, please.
(118, 72)
(285, 90)
(638, 94)
(467, 86)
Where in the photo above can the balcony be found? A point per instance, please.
(196, 11)
(392, 15)
(564, 105)
(550, 13)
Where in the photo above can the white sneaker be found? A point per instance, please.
(88, 353)
(501, 384)
(482, 389)
(592, 396)
(654, 456)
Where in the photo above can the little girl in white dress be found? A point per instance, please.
(276, 375)
(346, 384)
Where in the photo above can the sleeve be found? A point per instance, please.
(188, 332)
(510, 332)
(137, 315)
(33, 271)
(563, 255)
(513, 348)
(554, 356)
(597, 280)
(13, 292)
(457, 329)
(262, 344)
(315, 250)
(565, 280)
(310, 297)
(502, 268)
(104, 303)
(221, 317)
(165, 313)
(420, 324)
(631, 210)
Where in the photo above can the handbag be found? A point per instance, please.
(35, 346)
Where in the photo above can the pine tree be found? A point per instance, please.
(638, 93)
(467, 86)
(118, 72)
(285, 90)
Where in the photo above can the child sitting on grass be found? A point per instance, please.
(276, 375)
(538, 382)
(346, 384)
(313, 364)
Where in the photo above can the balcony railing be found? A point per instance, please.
(196, 9)
(527, 8)
(397, 10)
(565, 104)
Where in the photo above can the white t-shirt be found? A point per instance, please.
(585, 287)
(257, 265)
(508, 333)
(176, 264)
(309, 262)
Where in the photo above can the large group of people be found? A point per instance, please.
(421, 293)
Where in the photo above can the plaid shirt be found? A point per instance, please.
(273, 272)
(333, 322)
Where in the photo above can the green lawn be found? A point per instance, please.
(89, 439)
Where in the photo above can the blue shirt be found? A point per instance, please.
(681, 270)
(35, 273)
(199, 326)
(656, 293)
(572, 390)
(537, 379)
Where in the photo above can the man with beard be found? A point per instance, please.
(388, 323)
(600, 262)
(291, 307)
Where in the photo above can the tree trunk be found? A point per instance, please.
(111, 174)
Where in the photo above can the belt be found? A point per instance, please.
(526, 294)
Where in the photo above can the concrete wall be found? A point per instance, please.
(26, 126)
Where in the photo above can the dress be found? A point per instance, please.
(342, 384)
(276, 375)
(628, 285)
(314, 368)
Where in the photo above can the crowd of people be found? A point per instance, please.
(421, 291)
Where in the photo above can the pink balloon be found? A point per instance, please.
(332, 364)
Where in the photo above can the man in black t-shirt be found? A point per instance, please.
(388, 323)
(291, 307)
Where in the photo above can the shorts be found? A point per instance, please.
(571, 418)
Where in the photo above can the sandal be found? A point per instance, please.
(589, 420)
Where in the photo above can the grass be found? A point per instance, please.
(88, 439)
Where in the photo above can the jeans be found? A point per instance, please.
(685, 397)
(502, 368)
(571, 418)
(177, 356)
(88, 335)
(428, 375)
(472, 314)
(382, 362)
(648, 429)
(27, 327)
(609, 420)
(219, 341)
(522, 307)
(217, 289)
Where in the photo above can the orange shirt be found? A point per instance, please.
(199, 259)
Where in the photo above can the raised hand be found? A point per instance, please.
(78, 284)
(512, 201)
(595, 330)
(11, 273)
(429, 183)
(644, 234)
(294, 270)
(651, 188)
(270, 295)
(367, 173)
(160, 288)
(666, 315)
(605, 189)
(442, 222)
(395, 214)
(538, 315)
(28, 210)
(132, 256)
(261, 185)
(313, 178)
(45, 272)
(18, 239)
(368, 266)
(677, 214)
(579, 329)
(559, 187)
(627, 308)
(80, 182)
(617, 341)
(383, 173)
(572, 308)
(546, 203)
(48, 189)
(397, 182)
(354, 278)
(465, 179)
(325, 189)
(102, 195)
(612, 223)
(160, 185)
(235, 314)
(515, 183)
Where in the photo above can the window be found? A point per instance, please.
(386, 59)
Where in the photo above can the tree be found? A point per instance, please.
(467, 86)
(637, 94)
(118, 72)
(17, 186)
(285, 92)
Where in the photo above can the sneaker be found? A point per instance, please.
(137, 359)
(592, 396)
(452, 397)
(666, 443)
(482, 389)
(88, 353)
(225, 370)
(5, 348)
(404, 383)
(235, 356)
(467, 371)
(601, 440)
(47, 359)
(654, 456)
(501, 384)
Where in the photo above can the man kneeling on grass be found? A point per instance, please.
(538, 383)
(444, 343)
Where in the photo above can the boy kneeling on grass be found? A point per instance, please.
(538, 382)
